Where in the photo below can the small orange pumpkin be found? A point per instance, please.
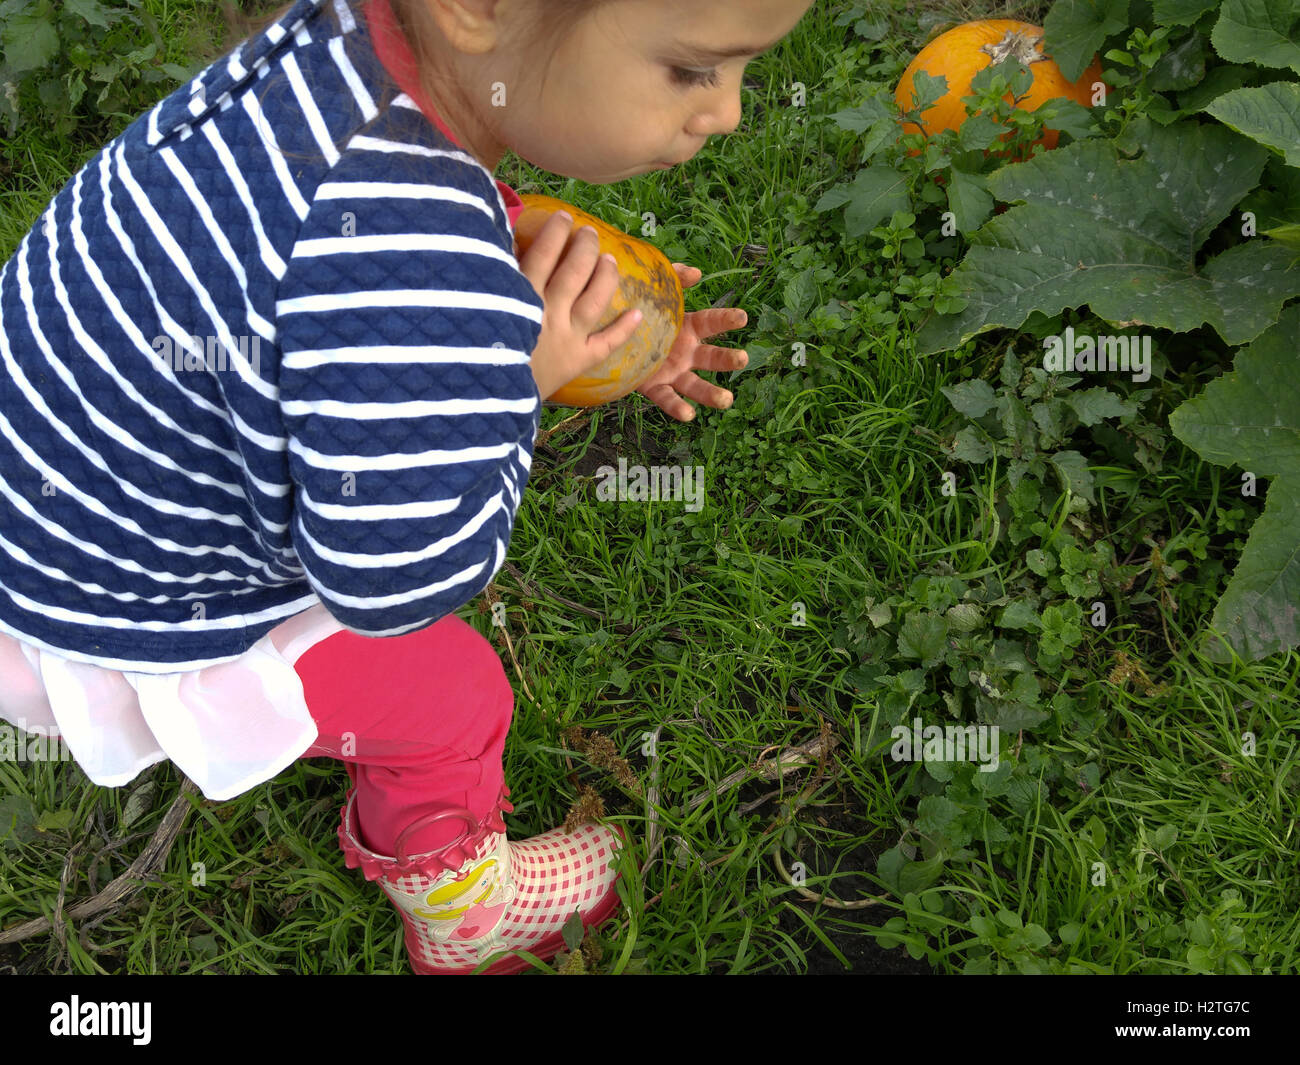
(647, 281)
(962, 52)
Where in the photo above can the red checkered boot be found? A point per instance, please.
(480, 894)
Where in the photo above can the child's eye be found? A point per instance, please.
(686, 76)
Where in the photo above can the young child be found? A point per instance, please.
(271, 379)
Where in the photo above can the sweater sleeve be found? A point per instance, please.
(410, 410)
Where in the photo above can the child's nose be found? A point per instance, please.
(724, 119)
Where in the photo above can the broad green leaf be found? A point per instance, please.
(1012, 716)
(917, 876)
(883, 132)
(969, 446)
(573, 931)
(1217, 81)
(922, 635)
(888, 866)
(874, 195)
(964, 617)
(29, 40)
(1073, 30)
(1259, 31)
(1122, 237)
(1066, 116)
(800, 293)
(1073, 470)
(1269, 114)
(1251, 418)
(1213, 170)
(17, 815)
(969, 200)
(1093, 404)
(861, 118)
(935, 815)
(1180, 12)
(55, 820)
(1019, 614)
(974, 398)
(871, 29)
(1181, 67)
(927, 89)
(979, 132)
(91, 10)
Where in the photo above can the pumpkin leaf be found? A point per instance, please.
(1258, 31)
(1250, 418)
(969, 200)
(1216, 82)
(1181, 67)
(1121, 236)
(1269, 114)
(1073, 30)
(1180, 12)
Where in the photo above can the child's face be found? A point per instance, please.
(626, 94)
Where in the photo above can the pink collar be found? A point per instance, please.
(395, 54)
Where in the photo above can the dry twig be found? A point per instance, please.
(117, 891)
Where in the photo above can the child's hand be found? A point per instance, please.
(676, 378)
(576, 292)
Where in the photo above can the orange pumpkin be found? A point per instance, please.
(647, 281)
(962, 52)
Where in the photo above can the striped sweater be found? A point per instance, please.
(270, 346)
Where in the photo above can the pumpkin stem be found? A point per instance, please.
(1016, 44)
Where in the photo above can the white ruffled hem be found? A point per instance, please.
(227, 727)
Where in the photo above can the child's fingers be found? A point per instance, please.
(538, 262)
(590, 308)
(575, 269)
(616, 334)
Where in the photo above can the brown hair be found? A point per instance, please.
(546, 27)
(549, 23)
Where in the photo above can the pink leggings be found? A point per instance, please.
(419, 720)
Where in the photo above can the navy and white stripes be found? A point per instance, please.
(366, 432)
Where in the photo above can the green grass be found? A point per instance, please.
(824, 490)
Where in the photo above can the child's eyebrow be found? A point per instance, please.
(698, 52)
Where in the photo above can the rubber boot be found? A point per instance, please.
(481, 895)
